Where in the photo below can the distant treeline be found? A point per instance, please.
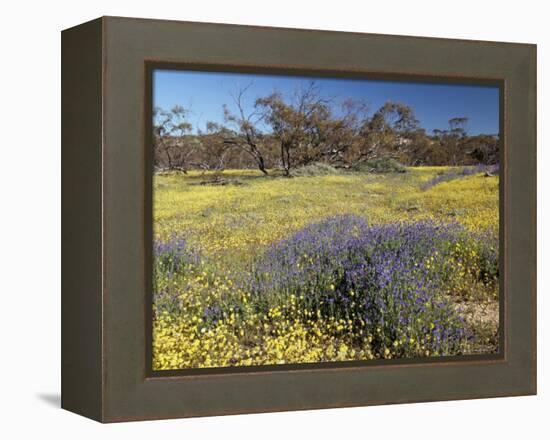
(286, 132)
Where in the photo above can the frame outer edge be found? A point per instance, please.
(534, 63)
(81, 185)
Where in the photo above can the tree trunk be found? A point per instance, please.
(261, 165)
(285, 158)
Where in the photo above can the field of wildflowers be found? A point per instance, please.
(341, 266)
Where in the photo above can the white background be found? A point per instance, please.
(30, 218)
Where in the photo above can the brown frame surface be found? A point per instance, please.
(106, 216)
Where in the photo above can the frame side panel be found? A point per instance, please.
(81, 213)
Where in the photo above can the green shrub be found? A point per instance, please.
(381, 165)
(314, 169)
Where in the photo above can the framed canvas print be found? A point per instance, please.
(262, 219)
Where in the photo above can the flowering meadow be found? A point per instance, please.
(264, 270)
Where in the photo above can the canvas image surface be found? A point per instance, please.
(301, 220)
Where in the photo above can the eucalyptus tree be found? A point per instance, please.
(299, 124)
(243, 129)
(388, 132)
(172, 141)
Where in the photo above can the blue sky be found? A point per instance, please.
(204, 93)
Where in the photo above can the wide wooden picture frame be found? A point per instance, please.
(107, 68)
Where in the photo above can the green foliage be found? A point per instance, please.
(314, 169)
(381, 165)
